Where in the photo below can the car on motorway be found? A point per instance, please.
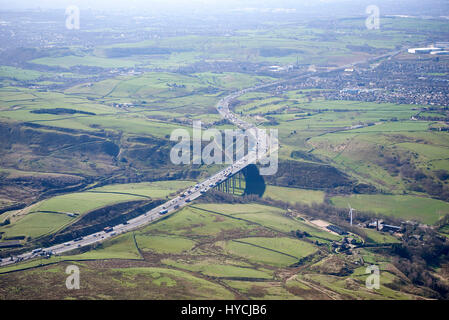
(162, 212)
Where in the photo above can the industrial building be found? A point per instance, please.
(440, 53)
(424, 50)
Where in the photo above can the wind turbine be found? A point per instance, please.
(351, 210)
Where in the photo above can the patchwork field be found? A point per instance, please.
(51, 215)
(211, 251)
(421, 209)
(293, 195)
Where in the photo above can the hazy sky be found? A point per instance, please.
(115, 4)
(350, 7)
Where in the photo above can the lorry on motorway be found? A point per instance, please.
(108, 229)
(36, 250)
(78, 239)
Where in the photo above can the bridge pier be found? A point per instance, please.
(233, 184)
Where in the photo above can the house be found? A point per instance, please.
(336, 229)
(391, 228)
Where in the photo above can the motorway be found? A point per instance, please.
(182, 200)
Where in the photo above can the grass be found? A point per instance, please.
(171, 284)
(91, 61)
(97, 282)
(50, 215)
(83, 202)
(164, 244)
(404, 207)
(257, 255)
(36, 224)
(292, 247)
(211, 268)
(155, 190)
(272, 251)
(355, 289)
(263, 290)
(19, 74)
(269, 217)
(293, 195)
(380, 237)
(190, 221)
(121, 247)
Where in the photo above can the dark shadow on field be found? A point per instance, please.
(255, 183)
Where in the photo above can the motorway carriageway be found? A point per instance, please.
(171, 206)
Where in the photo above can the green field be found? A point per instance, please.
(91, 61)
(271, 251)
(155, 190)
(269, 217)
(220, 270)
(164, 244)
(190, 221)
(188, 246)
(121, 247)
(19, 74)
(293, 195)
(421, 209)
(257, 255)
(379, 237)
(36, 224)
(51, 215)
